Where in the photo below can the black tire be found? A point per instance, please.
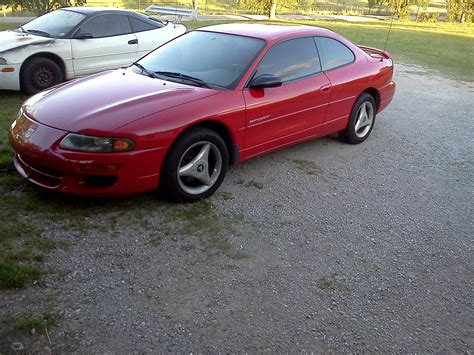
(183, 152)
(352, 135)
(40, 74)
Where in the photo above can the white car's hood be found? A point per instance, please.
(10, 40)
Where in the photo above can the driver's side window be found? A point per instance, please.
(105, 26)
(291, 60)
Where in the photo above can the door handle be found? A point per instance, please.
(133, 41)
(325, 88)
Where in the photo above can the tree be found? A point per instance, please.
(400, 7)
(372, 3)
(264, 7)
(421, 4)
(459, 10)
(41, 7)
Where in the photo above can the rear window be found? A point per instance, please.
(333, 53)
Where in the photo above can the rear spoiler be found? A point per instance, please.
(374, 52)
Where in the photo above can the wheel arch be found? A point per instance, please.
(54, 57)
(222, 130)
(375, 94)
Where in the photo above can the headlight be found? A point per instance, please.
(82, 143)
(3, 61)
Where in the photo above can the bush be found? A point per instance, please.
(428, 17)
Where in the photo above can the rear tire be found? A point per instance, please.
(194, 166)
(361, 120)
(40, 74)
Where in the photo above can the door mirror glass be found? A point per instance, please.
(265, 81)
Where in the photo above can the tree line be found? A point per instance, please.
(456, 10)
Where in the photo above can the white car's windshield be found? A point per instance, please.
(55, 24)
(202, 58)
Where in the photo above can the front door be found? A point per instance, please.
(104, 42)
(281, 115)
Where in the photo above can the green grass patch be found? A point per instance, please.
(39, 323)
(200, 220)
(13, 274)
(18, 328)
(328, 283)
(306, 166)
(256, 184)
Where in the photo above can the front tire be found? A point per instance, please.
(40, 74)
(361, 120)
(194, 166)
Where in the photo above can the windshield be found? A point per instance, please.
(54, 24)
(215, 59)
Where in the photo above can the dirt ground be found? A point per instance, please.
(319, 247)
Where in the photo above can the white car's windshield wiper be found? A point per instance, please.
(38, 32)
(144, 70)
(182, 76)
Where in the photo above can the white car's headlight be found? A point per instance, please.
(3, 61)
(83, 143)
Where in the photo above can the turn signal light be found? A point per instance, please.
(121, 145)
(8, 70)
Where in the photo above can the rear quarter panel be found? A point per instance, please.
(350, 81)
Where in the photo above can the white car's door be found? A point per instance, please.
(150, 37)
(104, 42)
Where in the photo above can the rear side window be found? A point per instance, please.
(140, 26)
(333, 53)
(290, 60)
(106, 26)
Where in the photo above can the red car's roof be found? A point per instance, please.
(268, 32)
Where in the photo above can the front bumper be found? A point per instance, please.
(10, 80)
(39, 159)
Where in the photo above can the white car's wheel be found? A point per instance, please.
(40, 74)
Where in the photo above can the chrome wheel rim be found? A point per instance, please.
(199, 167)
(365, 119)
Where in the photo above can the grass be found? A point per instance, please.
(16, 329)
(14, 275)
(201, 221)
(306, 166)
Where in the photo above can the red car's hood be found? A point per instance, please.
(109, 100)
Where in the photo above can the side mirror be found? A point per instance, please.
(265, 81)
(83, 35)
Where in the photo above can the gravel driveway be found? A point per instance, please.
(319, 247)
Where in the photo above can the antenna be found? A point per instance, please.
(388, 34)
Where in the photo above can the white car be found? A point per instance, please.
(77, 41)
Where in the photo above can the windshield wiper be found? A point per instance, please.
(182, 76)
(38, 32)
(144, 70)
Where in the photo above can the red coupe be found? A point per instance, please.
(179, 117)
